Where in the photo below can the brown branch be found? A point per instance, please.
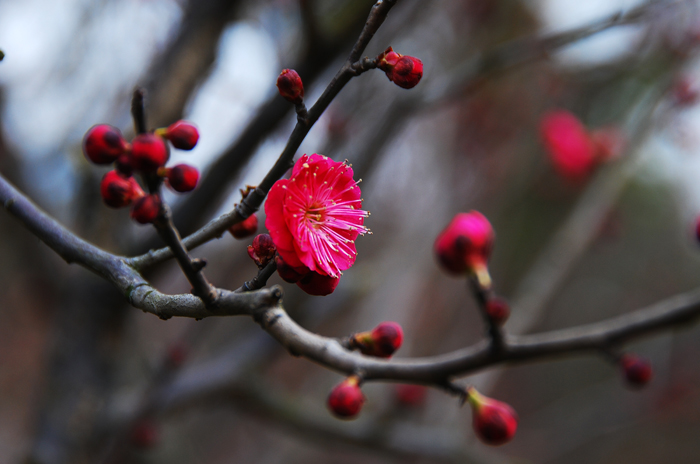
(436, 370)
(116, 270)
(191, 268)
(264, 306)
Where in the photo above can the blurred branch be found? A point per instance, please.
(468, 78)
(175, 74)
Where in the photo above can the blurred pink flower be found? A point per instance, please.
(315, 216)
(568, 144)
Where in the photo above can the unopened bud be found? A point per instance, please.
(317, 284)
(411, 395)
(497, 310)
(182, 177)
(346, 399)
(118, 191)
(465, 246)
(637, 370)
(263, 250)
(245, 228)
(182, 134)
(145, 210)
(149, 152)
(570, 148)
(382, 341)
(103, 144)
(494, 422)
(290, 86)
(404, 71)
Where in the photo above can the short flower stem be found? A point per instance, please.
(302, 114)
(260, 280)
(482, 296)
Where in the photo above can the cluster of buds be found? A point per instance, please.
(636, 370)
(147, 154)
(404, 71)
(574, 150)
(494, 422)
(382, 341)
(346, 399)
(409, 395)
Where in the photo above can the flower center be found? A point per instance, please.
(315, 215)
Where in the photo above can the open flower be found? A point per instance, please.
(315, 216)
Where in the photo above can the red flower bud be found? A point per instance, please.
(123, 164)
(685, 91)
(568, 144)
(103, 144)
(245, 228)
(465, 246)
(382, 341)
(182, 134)
(288, 273)
(637, 370)
(290, 86)
(118, 191)
(176, 355)
(145, 434)
(317, 284)
(182, 177)
(404, 71)
(346, 399)
(149, 152)
(497, 310)
(494, 422)
(411, 395)
(263, 250)
(145, 210)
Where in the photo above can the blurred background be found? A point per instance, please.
(86, 379)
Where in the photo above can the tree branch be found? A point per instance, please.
(435, 370)
(250, 204)
(469, 77)
(115, 269)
